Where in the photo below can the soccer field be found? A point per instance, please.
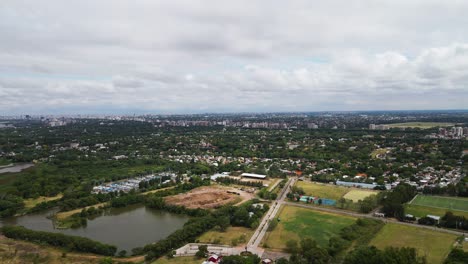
(453, 203)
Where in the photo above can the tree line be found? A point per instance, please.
(75, 243)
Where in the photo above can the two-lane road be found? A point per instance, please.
(263, 227)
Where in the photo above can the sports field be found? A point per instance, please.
(297, 223)
(356, 195)
(432, 244)
(421, 211)
(423, 125)
(451, 203)
(323, 190)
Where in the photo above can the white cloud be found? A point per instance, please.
(232, 55)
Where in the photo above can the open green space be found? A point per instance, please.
(356, 195)
(233, 236)
(30, 203)
(178, 260)
(379, 151)
(450, 203)
(423, 125)
(4, 162)
(434, 245)
(296, 223)
(421, 211)
(465, 246)
(323, 190)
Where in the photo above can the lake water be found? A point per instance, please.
(16, 168)
(127, 228)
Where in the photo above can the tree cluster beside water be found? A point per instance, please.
(75, 243)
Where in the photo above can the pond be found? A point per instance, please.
(127, 228)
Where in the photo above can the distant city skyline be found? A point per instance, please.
(182, 57)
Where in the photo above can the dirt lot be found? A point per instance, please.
(208, 197)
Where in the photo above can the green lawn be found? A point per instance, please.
(377, 152)
(323, 190)
(356, 195)
(452, 203)
(242, 234)
(465, 246)
(30, 203)
(4, 162)
(297, 223)
(421, 211)
(432, 244)
(178, 260)
(423, 125)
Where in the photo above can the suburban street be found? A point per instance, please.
(263, 227)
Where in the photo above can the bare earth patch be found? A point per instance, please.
(208, 197)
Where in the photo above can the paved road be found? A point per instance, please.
(387, 220)
(262, 228)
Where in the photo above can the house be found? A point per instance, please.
(213, 259)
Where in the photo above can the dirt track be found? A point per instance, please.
(208, 197)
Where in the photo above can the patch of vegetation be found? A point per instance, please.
(296, 222)
(177, 260)
(443, 202)
(394, 235)
(233, 236)
(422, 211)
(356, 195)
(422, 125)
(75, 243)
(322, 190)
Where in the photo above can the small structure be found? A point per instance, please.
(379, 214)
(267, 261)
(213, 259)
(253, 175)
(435, 217)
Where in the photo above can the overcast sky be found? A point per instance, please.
(231, 56)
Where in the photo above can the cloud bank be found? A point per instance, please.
(226, 56)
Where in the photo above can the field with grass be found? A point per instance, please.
(422, 125)
(421, 211)
(297, 223)
(4, 162)
(30, 203)
(241, 234)
(178, 260)
(21, 252)
(432, 244)
(323, 190)
(465, 246)
(451, 203)
(356, 195)
(380, 151)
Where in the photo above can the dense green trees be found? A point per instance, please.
(392, 204)
(59, 240)
(250, 259)
(457, 256)
(9, 205)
